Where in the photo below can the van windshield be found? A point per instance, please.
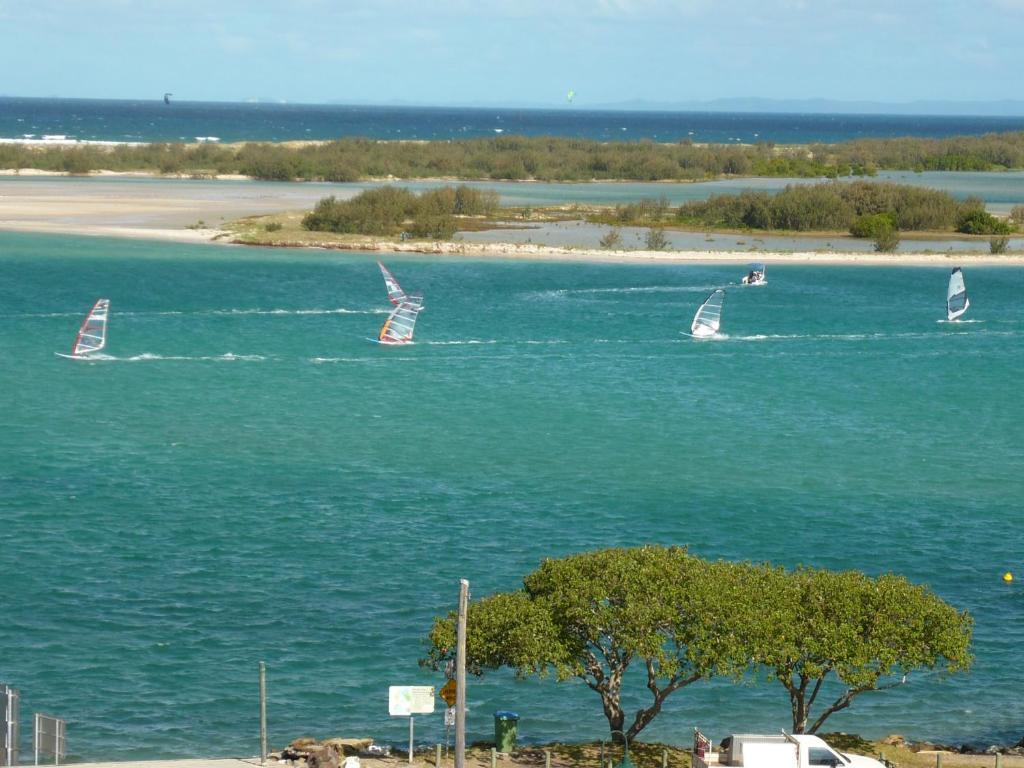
(820, 756)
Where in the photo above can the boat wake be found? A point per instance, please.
(647, 289)
(562, 293)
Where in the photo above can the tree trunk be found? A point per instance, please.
(613, 711)
(645, 716)
(798, 703)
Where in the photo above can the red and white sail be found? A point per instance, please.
(92, 336)
(401, 323)
(395, 293)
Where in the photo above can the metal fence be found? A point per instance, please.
(9, 733)
(49, 733)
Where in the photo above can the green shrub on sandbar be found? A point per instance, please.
(870, 224)
(433, 227)
(387, 211)
(980, 222)
(999, 245)
(887, 239)
(830, 206)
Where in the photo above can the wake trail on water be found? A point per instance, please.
(856, 336)
(148, 357)
(206, 312)
(367, 360)
(457, 342)
(561, 293)
(257, 311)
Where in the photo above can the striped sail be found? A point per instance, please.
(401, 323)
(92, 336)
(708, 319)
(395, 293)
(956, 295)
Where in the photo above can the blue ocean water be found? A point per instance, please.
(108, 120)
(245, 477)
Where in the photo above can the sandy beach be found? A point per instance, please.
(194, 211)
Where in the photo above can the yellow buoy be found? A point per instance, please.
(1007, 577)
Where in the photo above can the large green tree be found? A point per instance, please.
(592, 616)
(826, 636)
(864, 633)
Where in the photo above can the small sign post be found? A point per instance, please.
(447, 693)
(408, 701)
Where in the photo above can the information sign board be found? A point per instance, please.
(408, 700)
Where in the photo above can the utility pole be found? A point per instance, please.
(460, 676)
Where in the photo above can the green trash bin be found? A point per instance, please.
(506, 726)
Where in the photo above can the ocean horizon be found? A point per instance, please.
(189, 121)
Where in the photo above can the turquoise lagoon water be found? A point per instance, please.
(999, 190)
(247, 478)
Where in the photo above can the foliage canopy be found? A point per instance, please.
(545, 158)
(681, 619)
(389, 210)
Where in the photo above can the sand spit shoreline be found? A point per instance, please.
(537, 252)
(518, 251)
(194, 213)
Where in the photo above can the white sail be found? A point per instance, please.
(708, 319)
(756, 276)
(956, 295)
(401, 323)
(92, 336)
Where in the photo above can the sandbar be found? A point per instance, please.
(194, 211)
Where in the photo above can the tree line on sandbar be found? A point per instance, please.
(543, 158)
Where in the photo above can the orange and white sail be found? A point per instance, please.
(399, 327)
(92, 336)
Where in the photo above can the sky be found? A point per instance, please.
(513, 52)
